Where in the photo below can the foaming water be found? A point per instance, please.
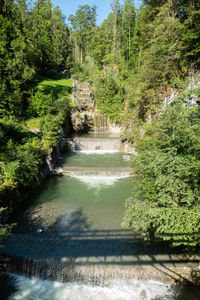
(126, 157)
(96, 151)
(99, 182)
(33, 288)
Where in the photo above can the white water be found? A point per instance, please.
(98, 182)
(96, 151)
(126, 157)
(36, 289)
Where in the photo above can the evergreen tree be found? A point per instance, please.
(42, 47)
(83, 25)
(116, 8)
(60, 39)
(128, 26)
(102, 43)
(15, 70)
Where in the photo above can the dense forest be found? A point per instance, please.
(135, 61)
(35, 46)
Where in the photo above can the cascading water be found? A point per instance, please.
(69, 243)
(100, 123)
(94, 145)
(112, 289)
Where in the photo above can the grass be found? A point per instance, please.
(58, 86)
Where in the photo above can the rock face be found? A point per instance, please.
(83, 115)
(82, 96)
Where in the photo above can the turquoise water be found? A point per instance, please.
(105, 160)
(71, 242)
(98, 198)
(82, 208)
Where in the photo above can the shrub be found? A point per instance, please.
(166, 172)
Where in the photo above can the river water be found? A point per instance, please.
(69, 243)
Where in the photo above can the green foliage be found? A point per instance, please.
(15, 71)
(109, 95)
(59, 86)
(166, 172)
(50, 129)
(40, 104)
(20, 155)
(60, 40)
(151, 49)
(157, 58)
(190, 28)
(48, 108)
(13, 132)
(33, 39)
(34, 123)
(83, 25)
(21, 151)
(49, 39)
(4, 232)
(128, 30)
(85, 71)
(50, 105)
(101, 44)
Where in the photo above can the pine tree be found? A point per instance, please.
(41, 39)
(60, 39)
(83, 25)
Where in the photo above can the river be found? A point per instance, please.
(69, 243)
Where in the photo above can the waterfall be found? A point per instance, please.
(101, 173)
(111, 289)
(100, 123)
(93, 144)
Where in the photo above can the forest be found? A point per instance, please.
(134, 61)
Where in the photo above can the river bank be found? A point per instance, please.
(67, 234)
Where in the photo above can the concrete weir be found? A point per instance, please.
(96, 144)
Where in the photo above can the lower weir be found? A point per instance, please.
(95, 144)
(69, 243)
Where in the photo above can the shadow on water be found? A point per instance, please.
(71, 241)
(7, 286)
(70, 250)
(22, 214)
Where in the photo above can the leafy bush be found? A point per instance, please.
(85, 71)
(50, 129)
(40, 104)
(109, 95)
(14, 131)
(166, 171)
(20, 155)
